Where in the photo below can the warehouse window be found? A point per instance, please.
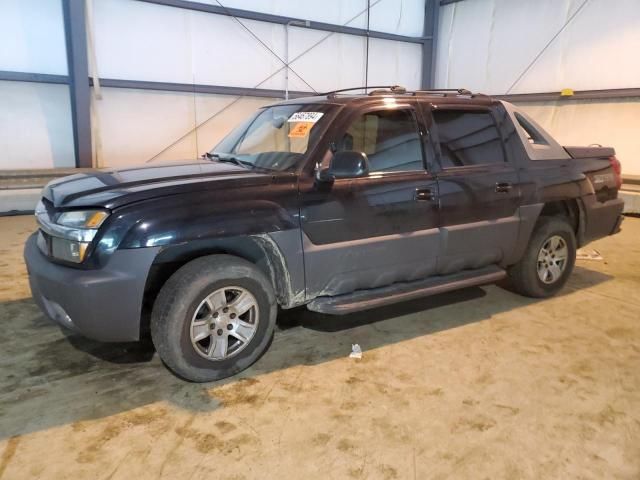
(390, 138)
(468, 138)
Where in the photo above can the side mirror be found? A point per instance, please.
(346, 164)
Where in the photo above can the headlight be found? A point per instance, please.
(69, 233)
(82, 218)
(84, 222)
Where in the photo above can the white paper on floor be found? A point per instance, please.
(356, 351)
(588, 255)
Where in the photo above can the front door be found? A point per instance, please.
(479, 190)
(376, 230)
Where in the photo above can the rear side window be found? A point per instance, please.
(533, 135)
(468, 138)
(390, 139)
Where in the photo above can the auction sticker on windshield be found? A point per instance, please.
(310, 117)
(300, 130)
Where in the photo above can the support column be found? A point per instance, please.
(430, 36)
(79, 90)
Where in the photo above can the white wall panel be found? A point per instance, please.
(32, 36)
(225, 53)
(485, 45)
(142, 41)
(404, 17)
(520, 30)
(35, 126)
(139, 41)
(598, 50)
(461, 56)
(337, 62)
(131, 126)
(612, 123)
(395, 63)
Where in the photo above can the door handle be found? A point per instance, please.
(503, 187)
(424, 194)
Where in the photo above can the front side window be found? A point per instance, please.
(468, 138)
(276, 138)
(390, 138)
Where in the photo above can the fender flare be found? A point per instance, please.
(260, 249)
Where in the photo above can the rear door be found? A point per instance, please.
(479, 189)
(376, 230)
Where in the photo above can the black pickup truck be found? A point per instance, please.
(340, 202)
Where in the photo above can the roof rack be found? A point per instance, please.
(395, 89)
(392, 89)
(398, 89)
(445, 91)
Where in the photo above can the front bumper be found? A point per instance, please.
(102, 304)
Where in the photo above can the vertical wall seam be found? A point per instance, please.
(487, 67)
(450, 45)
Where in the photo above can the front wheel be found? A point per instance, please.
(548, 260)
(213, 318)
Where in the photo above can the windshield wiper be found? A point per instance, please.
(229, 159)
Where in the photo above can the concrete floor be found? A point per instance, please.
(480, 383)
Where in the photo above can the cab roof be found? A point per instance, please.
(345, 96)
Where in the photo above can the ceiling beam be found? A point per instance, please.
(602, 94)
(33, 77)
(199, 88)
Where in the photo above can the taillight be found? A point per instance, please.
(617, 170)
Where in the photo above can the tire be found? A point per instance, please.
(525, 276)
(184, 312)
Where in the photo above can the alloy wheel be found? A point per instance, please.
(552, 259)
(224, 323)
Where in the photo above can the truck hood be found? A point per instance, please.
(111, 188)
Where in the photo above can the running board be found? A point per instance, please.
(401, 292)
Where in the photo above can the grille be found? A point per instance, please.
(44, 243)
(48, 205)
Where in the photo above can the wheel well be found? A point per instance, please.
(252, 249)
(569, 209)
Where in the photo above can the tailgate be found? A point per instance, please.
(602, 210)
(601, 167)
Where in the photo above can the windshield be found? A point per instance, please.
(275, 138)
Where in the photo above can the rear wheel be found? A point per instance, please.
(213, 318)
(548, 260)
